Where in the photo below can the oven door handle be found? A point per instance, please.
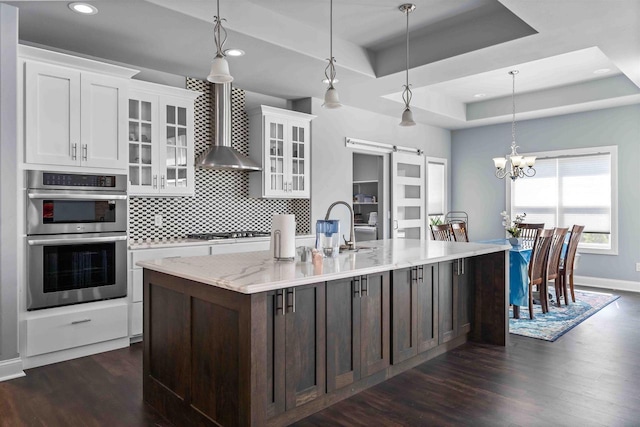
(75, 240)
(62, 196)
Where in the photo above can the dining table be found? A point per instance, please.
(519, 257)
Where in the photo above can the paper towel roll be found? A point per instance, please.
(283, 236)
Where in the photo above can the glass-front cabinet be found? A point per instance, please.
(161, 146)
(280, 141)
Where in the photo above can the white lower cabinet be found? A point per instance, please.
(68, 327)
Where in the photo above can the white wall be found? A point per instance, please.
(477, 191)
(8, 184)
(332, 162)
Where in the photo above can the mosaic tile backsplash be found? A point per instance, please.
(221, 202)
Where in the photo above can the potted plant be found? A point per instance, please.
(512, 227)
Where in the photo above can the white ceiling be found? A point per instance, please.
(459, 48)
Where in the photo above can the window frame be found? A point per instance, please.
(611, 150)
(445, 202)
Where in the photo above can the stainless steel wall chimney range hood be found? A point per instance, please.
(220, 155)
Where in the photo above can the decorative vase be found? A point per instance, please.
(515, 241)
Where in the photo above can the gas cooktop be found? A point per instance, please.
(228, 235)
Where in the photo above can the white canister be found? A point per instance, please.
(283, 236)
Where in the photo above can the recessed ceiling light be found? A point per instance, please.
(234, 52)
(83, 8)
(326, 81)
(602, 71)
(479, 95)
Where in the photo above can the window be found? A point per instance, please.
(573, 187)
(436, 188)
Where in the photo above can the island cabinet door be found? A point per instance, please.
(404, 314)
(295, 347)
(374, 326)
(465, 289)
(427, 295)
(343, 333)
(447, 302)
(414, 308)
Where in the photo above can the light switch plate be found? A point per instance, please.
(637, 266)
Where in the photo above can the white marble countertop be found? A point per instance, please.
(253, 272)
(179, 242)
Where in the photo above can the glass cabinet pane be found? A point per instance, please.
(272, 131)
(134, 153)
(294, 133)
(134, 112)
(171, 177)
(134, 131)
(280, 131)
(171, 114)
(301, 135)
(146, 154)
(145, 132)
(145, 111)
(134, 175)
(182, 137)
(182, 116)
(182, 178)
(182, 157)
(145, 176)
(171, 156)
(171, 135)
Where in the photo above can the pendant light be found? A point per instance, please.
(512, 165)
(219, 66)
(331, 99)
(407, 115)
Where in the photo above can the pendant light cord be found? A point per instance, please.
(219, 30)
(407, 56)
(330, 71)
(513, 105)
(406, 93)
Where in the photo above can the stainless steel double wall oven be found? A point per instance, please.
(77, 240)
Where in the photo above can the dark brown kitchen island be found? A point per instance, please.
(242, 339)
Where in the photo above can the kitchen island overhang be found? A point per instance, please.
(242, 339)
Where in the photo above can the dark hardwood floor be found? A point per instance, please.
(589, 377)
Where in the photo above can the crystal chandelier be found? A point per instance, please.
(407, 115)
(219, 66)
(331, 95)
(513, 165)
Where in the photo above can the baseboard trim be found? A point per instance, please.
(10, 369)
(599, 282)
(74, 353)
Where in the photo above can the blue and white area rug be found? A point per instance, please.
(559, 320)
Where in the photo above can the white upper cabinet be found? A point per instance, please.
(160, 140)
(74, 115)
(280, 140)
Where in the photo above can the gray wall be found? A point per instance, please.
(8, 184)
(476, 190)
(332, 162)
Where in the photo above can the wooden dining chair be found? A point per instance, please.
(459, 231)
(538, 266)
(553, 268)
(528, 232)
(442, 232)
(567, 264)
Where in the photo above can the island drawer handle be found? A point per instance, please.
(292, 306)
(357, 289)
(75, 322)
(280, 299)
(421, 275)
(365, 285)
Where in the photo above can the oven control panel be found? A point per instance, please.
(78, 180)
